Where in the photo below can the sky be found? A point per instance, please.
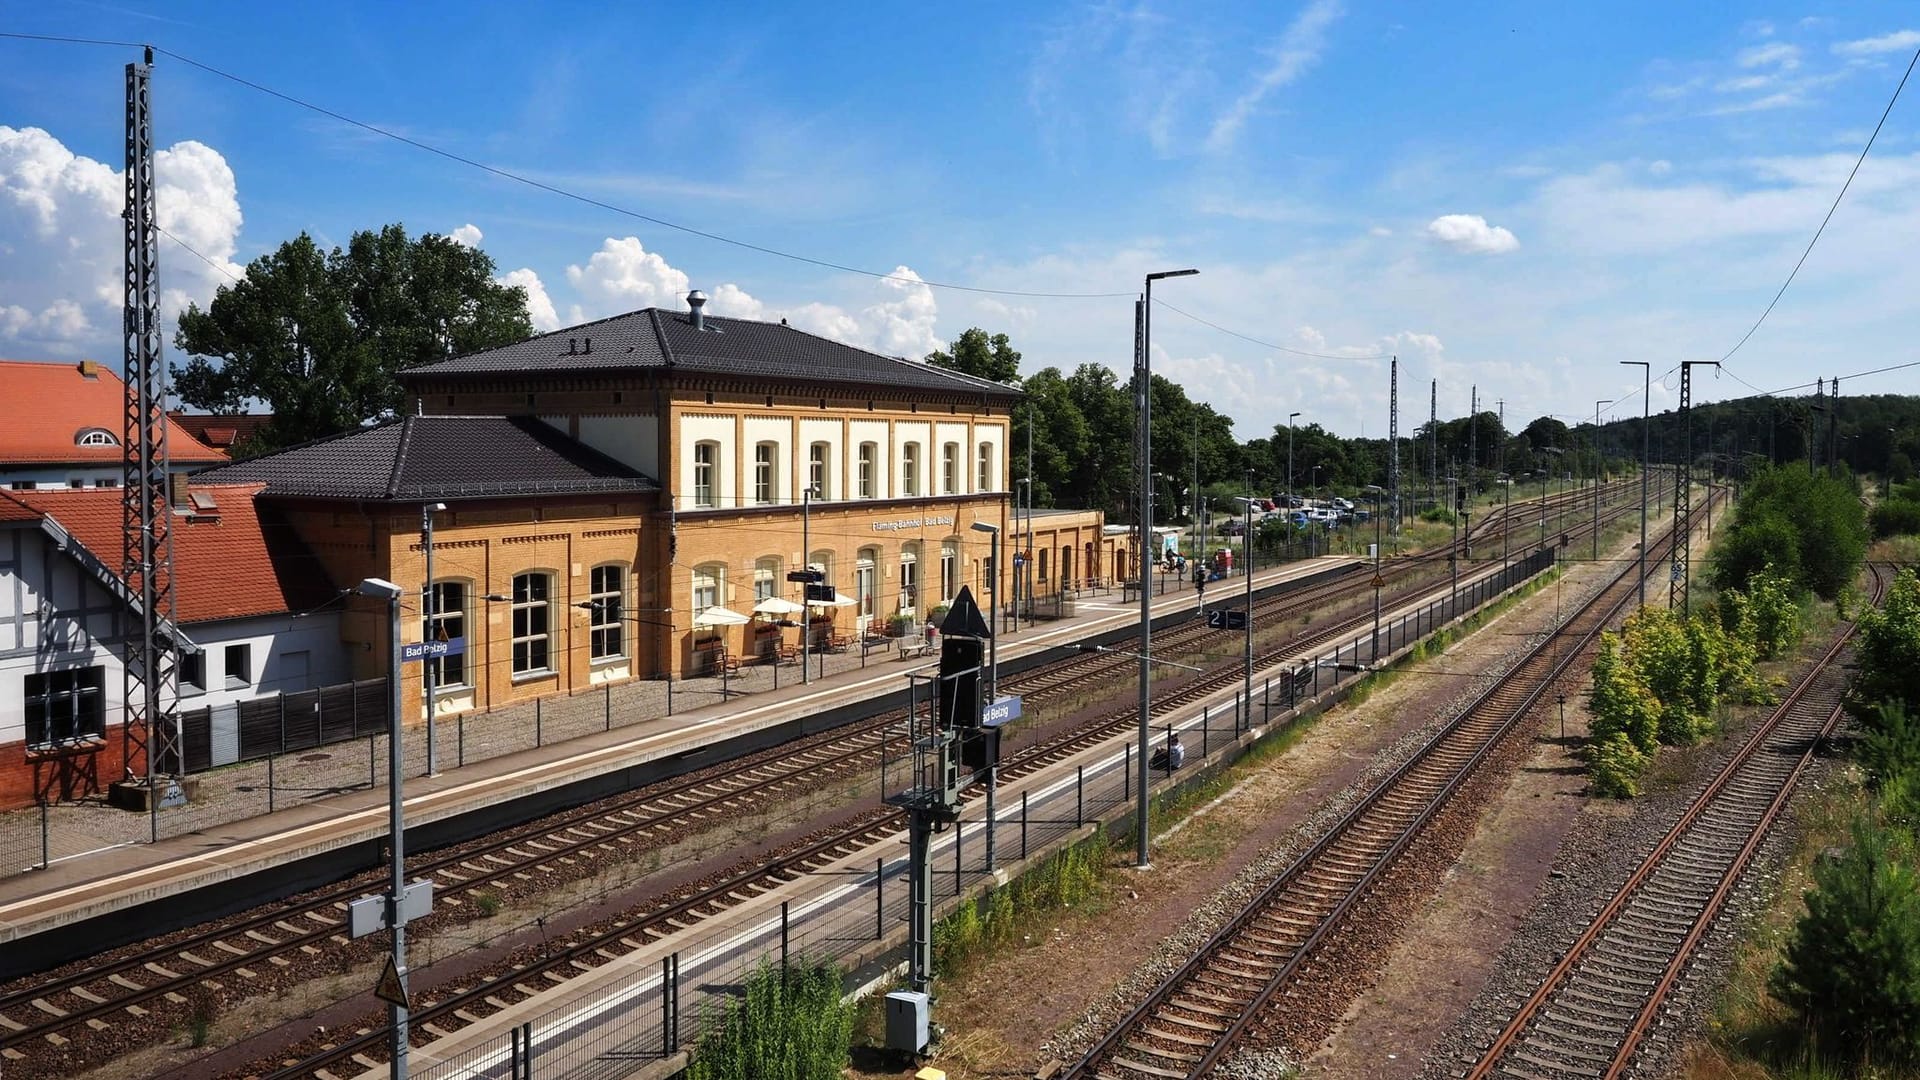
(1513, 196)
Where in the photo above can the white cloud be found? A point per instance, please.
(1470, 232)
(1379, 230)
(539, 305)
(624, 276)
(1898, 41)
(1660, 168)
(1295, 53)
(1778, 53)
(468, 235)
(60, 239)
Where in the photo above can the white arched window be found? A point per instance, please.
(949, 569)
(532, 623)
(869, 465)
(766, 578)
(606, 609)
(910, 469)
(910, 577)
(766, 462)
(866, 582)
(818, 477)
(95, 437)
(709, 586)
(985, 469)
(950, 469)
(706, 473)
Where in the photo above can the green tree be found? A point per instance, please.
(1766, 616)
(1818, 517)
(1851, 969)
(1889, 746)
(320, 337)
(1060, 435)
(982, 356)
(1615, 764)
(1104, 475)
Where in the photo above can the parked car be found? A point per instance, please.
(1342, 503)
(1232, 527)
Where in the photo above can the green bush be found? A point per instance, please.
(1766, 615)
(1811, 527)
(1851, 970)
(1889, 745)
(1887, 649)
(1439, 515)
(796, 1028)
(1896, 517)
(1620, 701)
(1615, 765)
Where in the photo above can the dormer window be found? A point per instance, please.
(95, 437)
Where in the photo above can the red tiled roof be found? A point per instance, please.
(12, 509)
(227, 566)
(222, 430)
(45, 407)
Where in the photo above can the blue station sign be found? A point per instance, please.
(1002, 711)
(421, 650)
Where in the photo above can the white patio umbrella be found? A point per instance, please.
(840, 599)
(719, 616)
(777, 605)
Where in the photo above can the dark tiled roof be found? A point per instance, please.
(421, 458)
(666, 340)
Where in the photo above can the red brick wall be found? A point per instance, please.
(24, 777)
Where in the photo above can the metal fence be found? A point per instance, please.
(609, 1027)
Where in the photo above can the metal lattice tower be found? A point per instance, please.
(152, 743)
(1433, 437)
(1473, 440)
(1393, 444)
(1683, 490)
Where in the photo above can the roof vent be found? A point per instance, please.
(696, 300)
(89, 369)
(586, 346)
(573, 346)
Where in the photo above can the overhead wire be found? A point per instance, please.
(1268, 344)
(1824, 221)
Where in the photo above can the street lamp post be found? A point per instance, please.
(1596, 476)
(1375, 490)
(381, 589)
(1290, 492)
(1646, 392)
(1453, 552)
(1246, 545)
(1142, 859)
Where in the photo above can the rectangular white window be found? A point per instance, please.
(950, 469)
(869, 462)
(909, 585)
(817, 471)
(949, 571)
(763, 455)
(447, 622)
(985, 469)
(766, 579)
(706, 468)
(604, 626)
(863, 587)
(910, 469)
(66, 706)
(532, 623)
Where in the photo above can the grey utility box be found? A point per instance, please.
(907, 1024)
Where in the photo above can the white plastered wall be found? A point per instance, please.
(630, 440)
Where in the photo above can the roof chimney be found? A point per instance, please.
(89, 369)
(696, 300)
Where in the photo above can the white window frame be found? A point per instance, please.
(985, 468)
(766, 578)
(706, 473)
(766, 461)
(607, 612)
(950, 468)
(949, 569)
(819, 476)
(709, 586)
(869, 468)
(535, 631)
(910, 470)
(450, 620)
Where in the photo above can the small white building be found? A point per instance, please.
(243, 591)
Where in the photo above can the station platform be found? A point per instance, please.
(81, 905)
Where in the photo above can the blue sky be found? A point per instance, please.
(1508, 195)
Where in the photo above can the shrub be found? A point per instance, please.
(1809, 526)
(1615, 765)
(1620, 702)
(792, 1028)
(1897, 517)
(1851, 970)
(1889, 745)
(1887, 651)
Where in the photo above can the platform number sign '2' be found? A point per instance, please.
(1224, 619)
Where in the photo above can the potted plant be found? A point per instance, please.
(897, 624)
(939, 612)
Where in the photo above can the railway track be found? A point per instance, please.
(55, 1013)
(1593, 1011)
(367, 1049)
(1189, 1022)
